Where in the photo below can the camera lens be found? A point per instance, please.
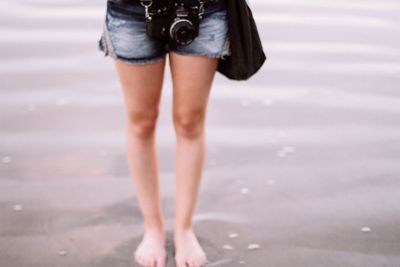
(182, 31)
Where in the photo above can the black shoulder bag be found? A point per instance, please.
(247, 55)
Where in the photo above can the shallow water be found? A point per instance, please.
(300, 159)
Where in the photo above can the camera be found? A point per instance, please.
(177, 20)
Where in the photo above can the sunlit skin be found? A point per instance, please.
(192, 78)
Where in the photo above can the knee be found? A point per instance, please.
(189, 123)
(143, 123)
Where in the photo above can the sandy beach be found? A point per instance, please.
(302, 162)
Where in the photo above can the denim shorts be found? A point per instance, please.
(124, 34)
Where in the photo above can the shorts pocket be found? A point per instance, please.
(104, 43)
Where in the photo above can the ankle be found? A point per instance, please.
(158, 227)
(183, 228)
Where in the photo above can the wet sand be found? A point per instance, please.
(302, 161)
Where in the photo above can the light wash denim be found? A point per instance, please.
(124, 35)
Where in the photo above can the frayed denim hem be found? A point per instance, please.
(139, 61)
(210, 55)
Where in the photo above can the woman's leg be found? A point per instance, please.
(142, 86)
(192, 80)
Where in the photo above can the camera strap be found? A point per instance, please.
(201, 8)
(147, 3)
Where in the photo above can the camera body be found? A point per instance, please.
(177, 20)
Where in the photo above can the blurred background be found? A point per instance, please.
(302, 164)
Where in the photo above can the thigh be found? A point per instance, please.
(142, 86)
(193, 66)
(192, 78)
(140, 60)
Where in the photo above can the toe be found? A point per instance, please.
(161, 262)
(203, 261)
(151, 263)
(200, 262)
(193, 263)
(146, 262)
(139, 259)
(180, 263)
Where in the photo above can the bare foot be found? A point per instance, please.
(188, 250)
(151, 251)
